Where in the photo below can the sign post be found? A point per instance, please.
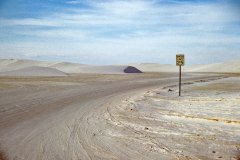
(180, 63)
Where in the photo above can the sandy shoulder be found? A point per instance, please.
(202, 124)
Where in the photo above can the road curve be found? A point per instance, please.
(47, 121)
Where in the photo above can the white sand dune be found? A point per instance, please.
(110, 69)
(8, 65)
(75, 68)
(79, 68)
(155, 67)
(66, 67)
(15, 64)
(34, 71)
(224, 67)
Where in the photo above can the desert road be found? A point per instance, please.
(72, 118)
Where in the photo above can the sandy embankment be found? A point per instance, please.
(202, 124)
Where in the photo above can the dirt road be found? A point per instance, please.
(65, 118)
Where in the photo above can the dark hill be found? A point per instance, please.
(131, 69)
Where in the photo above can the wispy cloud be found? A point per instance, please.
(148, 28)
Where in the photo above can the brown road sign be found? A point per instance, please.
(180, 59)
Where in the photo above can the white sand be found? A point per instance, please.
(154, 67)
(14, 64)
(118, 117)
(224, 67)
(66, 67)
(202, 124)
(34, 71)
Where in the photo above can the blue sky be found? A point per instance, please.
(120, 31)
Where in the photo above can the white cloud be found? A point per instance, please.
(30, 22)
(73, 2)
(139, 12)
(126, 27)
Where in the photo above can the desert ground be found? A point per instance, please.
(104, 113)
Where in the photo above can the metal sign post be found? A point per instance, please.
(180, 63)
